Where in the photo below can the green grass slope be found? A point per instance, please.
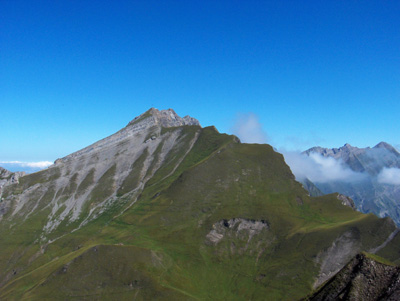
(229, 223)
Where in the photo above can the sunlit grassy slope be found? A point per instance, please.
(157, 248)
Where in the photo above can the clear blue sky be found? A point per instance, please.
(315, 72)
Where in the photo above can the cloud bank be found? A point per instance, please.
(320, 169)
(249, 130)
(315, 167)
(25, 166)
(389, 176)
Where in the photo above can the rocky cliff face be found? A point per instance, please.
(8, 178)
(363, 278)
(79, 186)
(370, 194)
(346, 201)
(149, 123)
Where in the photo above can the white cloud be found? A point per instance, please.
(389, 176)
(320, 169)
(248, 128)
(25, 166)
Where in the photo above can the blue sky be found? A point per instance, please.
(312, 72)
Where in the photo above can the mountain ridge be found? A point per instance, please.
(179, 212)
(369, 193)
(348, 153)
(151, 118)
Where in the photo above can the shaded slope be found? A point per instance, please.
(105, 272)
(365, 277)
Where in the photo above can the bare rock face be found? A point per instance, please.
(7, 177)
(335, 257)
(4, 173)
(149, 122)
(238, 236)
(114, 168)
(240, 227)
(346, 201)
(165, 118)
(363, 278)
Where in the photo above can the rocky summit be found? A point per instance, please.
(370, 193)
(165, 209)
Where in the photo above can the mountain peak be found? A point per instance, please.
(384, 145)
(348, 147)
(142, 125)
(165, 118)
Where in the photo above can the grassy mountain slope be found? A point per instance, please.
(214, 219)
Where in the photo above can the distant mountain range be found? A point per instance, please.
(167, 210)
(377, 189)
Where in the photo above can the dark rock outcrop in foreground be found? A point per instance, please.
(363, 278)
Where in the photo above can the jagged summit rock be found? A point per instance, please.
(165, 118)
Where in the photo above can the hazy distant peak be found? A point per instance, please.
(384, 145)
(336, 153)
(347, 148)
(342, 152)
(165, 118)
(371, 160)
